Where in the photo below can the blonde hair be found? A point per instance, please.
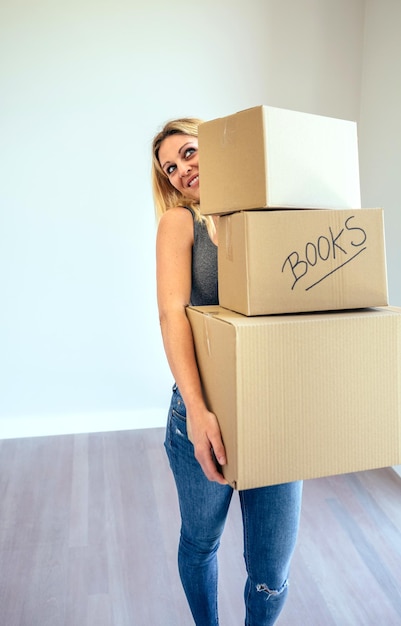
(165, 196)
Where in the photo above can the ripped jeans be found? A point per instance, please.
(270, 525)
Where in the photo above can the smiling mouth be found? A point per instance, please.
(193, 180)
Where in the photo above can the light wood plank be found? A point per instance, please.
(89, 528)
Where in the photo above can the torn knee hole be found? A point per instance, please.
(272, 592)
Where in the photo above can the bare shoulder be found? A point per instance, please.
(177, 215)
(177, 221)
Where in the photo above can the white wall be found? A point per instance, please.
(84, 86)
(380, 127)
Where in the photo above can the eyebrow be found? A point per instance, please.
(179, 152)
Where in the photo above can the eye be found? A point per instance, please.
(170, 169)
(189, 152)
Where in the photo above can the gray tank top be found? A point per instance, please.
(204, 266)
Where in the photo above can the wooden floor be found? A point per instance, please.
(89, 527)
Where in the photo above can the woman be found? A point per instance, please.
(186, 253)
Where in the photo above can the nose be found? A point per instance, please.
(184, 169)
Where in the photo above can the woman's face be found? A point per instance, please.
(178, 157)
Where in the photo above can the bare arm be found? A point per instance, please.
(174, 257)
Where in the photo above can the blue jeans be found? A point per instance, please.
(270, 525)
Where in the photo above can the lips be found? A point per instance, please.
(192, 181)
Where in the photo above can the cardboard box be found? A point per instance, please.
(293, 261)
(302, 396)
(266, 157)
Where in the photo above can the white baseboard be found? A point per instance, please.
(40, 426)
(397, 469)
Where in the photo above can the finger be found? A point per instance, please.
(207, 462)
(219, 450)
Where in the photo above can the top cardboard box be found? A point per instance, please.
(267, 157)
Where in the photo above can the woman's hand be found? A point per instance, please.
(204, 433)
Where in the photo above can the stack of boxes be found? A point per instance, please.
(301, 360)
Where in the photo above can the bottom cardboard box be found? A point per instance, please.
(304, 395)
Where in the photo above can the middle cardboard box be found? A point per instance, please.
(291, 261)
